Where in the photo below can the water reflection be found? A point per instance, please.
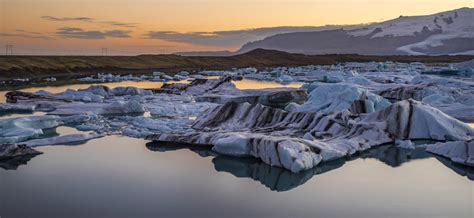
(274, 178)
(203, 151)
(394, 156)
(458, 168)
(14, 162)
(93, 180)
(241, 84)
(279, 179)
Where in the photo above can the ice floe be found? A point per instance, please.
(461, 152)
(301, 140)
(62, 140)
(16, 108)
(14, 130)
(328, 98)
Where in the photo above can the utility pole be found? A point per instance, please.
(104, 51)
(8, 50)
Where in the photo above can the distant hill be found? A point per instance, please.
(450, 32)
(76, 66)
(206, 53)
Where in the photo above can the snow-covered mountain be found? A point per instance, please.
(450, 32)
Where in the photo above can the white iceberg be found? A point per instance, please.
(123, 107)
(461, 152)
(13, 130)
(407, 144)
(116, 107)
(61, 140)
(300, 140)
(328, 98)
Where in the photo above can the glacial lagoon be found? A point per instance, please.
(118, 176)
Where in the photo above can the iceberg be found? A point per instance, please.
(461, 152)
(116, 107)
(13, 130)
(122, 107)
(299, 141)
(328, 98)
(61, 140)
(16, 108)
(407, 144)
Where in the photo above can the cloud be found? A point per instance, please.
(91, 20)
(25, 34)
(120, 24)
(51, 18)
(79, 33)
(28, 32)
(230, 38)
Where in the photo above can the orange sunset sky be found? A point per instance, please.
(125, 27)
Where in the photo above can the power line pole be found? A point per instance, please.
(8, 49)
(104, 51)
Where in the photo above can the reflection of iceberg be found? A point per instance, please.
(203, 151)
(394, 156)
(275, 178)
(280, 179)
(14, 162)
(458, 168)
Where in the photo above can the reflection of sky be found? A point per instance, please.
(243, 84)
(119, 177)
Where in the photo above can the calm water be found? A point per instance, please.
(124, 177)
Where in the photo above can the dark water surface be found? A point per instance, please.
(124, 177)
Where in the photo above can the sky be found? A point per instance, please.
(128, 27)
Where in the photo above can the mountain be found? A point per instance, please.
(450, 32)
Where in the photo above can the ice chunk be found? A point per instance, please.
(166, 77)
(13, 130)
(182, 109)
(157, 73)
(300, 140)
(437, 99)
(78, 119)
(16, 108)
(121, 107)
(61, 140)
(407, 144)
(285, 79)
(116, 107)
(461, 152)
(178, 77)
(234, 145)
(90, 127)
(121, 91)
(136, 133)
(129, 90)
(328, 98)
